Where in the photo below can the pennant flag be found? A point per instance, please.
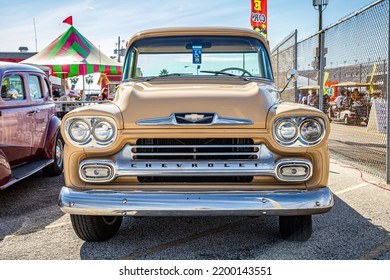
(372, 78)
(103, 79)
(68, 20)
(326, 76)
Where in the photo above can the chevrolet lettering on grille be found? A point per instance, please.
(188, 165)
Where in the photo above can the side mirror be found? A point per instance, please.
(292, 75)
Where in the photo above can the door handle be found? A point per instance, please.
(31, 113)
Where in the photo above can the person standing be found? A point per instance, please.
(104, 94)
(72, 93)
(81, 95)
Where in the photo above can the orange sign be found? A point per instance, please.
(259, 16)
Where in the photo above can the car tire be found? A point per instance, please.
(295, 228)
(57, 166)
(95, 228)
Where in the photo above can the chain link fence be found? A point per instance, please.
(355, 83)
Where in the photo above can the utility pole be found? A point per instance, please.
(388, 111)
(119, 49)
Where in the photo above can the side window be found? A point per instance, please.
(46, 91)
(35, 87)
(12, 88)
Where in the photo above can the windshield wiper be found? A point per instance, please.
(163, 76)
(224, 73)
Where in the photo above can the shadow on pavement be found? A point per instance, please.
(29, 205)
(340, 234)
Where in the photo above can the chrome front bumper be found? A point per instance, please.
(221, 203)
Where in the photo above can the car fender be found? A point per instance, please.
(53, 129)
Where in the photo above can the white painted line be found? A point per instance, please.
(354, 188)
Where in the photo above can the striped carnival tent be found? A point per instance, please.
(71, 54)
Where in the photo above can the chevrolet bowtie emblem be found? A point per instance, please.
(193, 117)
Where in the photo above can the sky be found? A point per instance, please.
(102, 21)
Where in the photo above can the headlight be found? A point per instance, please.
(299, 131)
(79, 131)
(91, 131)
(103, 131)
(286, 130)
(311, 130)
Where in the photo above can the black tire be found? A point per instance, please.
(95, 228)
(295, 228)
(57, 166)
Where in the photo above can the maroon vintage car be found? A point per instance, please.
(30, 139)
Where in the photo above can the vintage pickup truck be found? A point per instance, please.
(197, 128)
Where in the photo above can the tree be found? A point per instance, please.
(74, 80)
(89, 81)
(164, 72)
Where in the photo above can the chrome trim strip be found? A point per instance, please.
(131, 151)
(171, 120)
(221, 203)
(123, 164)
(197, 167)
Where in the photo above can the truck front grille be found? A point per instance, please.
(195, 149)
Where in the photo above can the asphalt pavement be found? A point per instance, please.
(33, 228)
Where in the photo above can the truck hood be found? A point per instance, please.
(228, 98)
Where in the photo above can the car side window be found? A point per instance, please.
(46, 91)
(35, 87)
(12, 88)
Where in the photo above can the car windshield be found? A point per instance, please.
(178, 56)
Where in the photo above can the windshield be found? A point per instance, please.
(197, 56)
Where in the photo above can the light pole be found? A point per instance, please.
(320, 5)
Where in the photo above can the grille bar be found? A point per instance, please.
(194, 154)
(195, 148)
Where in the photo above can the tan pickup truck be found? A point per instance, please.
(197, 128)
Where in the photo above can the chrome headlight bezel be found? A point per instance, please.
(287, 123)
(318, 125)
(97, 131)
(299, 140)
(82, 126)
(92, 140)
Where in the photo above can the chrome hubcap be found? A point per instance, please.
(59, 152)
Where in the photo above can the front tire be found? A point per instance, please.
(95, 228)
(295, 228)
